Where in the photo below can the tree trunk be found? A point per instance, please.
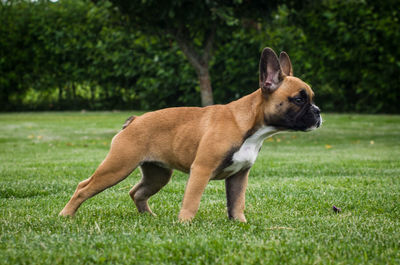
(60, 93)
(73, 91)
(199, 61)
(205, 88)
(92, 93)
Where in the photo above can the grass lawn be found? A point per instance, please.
(352, 162)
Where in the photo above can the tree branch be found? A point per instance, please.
(208, 44)
(187, 48)
(199, 61)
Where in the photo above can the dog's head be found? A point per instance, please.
(288, 100)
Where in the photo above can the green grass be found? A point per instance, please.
(351, 162)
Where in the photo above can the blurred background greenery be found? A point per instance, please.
(146, 54)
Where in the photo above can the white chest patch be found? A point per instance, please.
(248, 152)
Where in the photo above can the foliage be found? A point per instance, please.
(354, 54)
(292, 187)
(15, 60)
(196, 26)
(76, 54)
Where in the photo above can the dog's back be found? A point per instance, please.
(128, 121)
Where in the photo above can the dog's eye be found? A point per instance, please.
(299, 100)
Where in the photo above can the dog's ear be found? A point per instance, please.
(285, 63)
(270, 71)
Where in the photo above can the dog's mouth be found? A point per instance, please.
(316, 126)
(308, 123)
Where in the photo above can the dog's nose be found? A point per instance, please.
(316, 110)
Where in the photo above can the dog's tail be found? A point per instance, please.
(128, 121)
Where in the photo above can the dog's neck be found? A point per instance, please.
(248, 111)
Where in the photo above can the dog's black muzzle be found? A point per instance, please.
(307, 119)
(311, 118)
(317, 113)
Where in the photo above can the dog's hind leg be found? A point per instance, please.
(118, 164)
(154, 178)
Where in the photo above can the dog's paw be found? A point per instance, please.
(240, 218)
(149, 213)
(64, 213)
(185, 217)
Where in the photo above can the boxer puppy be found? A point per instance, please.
(219, 142)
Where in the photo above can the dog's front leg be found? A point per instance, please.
(235, 195)
(198, 179)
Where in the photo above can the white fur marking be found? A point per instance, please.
(248, 152)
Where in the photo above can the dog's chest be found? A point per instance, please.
(247, 154)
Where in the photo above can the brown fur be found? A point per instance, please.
(190, 139)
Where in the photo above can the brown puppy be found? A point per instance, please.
(214, 142)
